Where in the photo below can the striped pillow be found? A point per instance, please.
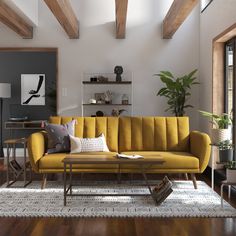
(98, 144)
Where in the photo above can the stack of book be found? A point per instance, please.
(162, 190)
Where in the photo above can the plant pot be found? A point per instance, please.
(219, 135)
(231, 175)
(226, 155)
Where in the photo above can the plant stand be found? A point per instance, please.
(225, 183)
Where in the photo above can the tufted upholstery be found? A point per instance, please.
(182, 151)
(91, 127)
(153, 133)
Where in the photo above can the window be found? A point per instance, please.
(205, 4)
(230, 81)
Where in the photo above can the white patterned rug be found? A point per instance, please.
(185, 201)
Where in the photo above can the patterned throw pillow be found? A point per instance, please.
(58, 136)
(88, 144)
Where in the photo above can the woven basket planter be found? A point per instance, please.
(219, 135)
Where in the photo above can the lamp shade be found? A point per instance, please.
(5, 90)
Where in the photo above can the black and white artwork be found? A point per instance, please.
(33, 89)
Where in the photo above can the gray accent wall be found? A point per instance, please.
(15, 63)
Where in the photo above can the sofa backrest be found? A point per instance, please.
(134, 133)
(153, 133)
(91, 127)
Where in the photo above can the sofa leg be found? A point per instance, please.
(193, 177)
(186, 176)
(44, 181)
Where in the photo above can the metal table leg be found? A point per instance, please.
(64, 184)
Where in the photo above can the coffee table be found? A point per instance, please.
(143, 164)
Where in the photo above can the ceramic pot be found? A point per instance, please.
(226, 155)
(219, 135)
(231, 175)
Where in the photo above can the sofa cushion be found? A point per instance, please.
(54, 161)
(173, 160)
(91, 127)
(58, 136)
(78, 145)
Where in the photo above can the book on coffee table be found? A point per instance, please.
(128, 156)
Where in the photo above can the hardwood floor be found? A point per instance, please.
(119, 226)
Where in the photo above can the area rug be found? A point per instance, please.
(185, 201)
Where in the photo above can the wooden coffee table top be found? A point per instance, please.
(108, 159)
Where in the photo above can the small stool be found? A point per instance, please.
(225, 183)
(13, 167)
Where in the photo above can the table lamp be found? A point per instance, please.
(5, 92)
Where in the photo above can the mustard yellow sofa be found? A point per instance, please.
(182, 150)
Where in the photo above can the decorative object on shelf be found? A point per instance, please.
(33, 89)
(117, 112)
(108, 97)
(99, 97)
(125, 99)
(102, 79)
(222, 131)
(5, 92)
(118, 70)
(225, 151)
(93, 79)
(177, 91)
(99, 113)
(231, 171)
(92, 101)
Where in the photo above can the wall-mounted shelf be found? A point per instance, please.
(104, 104)
(108, 82)
(96, 89)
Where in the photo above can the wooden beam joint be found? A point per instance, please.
(15, 22)
(65, 15)
(121, 15)
(178, 12)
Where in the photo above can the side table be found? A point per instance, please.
(225, 183)
(13, 167)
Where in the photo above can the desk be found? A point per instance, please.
(34, 124)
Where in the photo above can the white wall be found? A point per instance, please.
(215, 19)
(143, 52)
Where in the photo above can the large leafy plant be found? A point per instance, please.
(177, 91)
(220, 121)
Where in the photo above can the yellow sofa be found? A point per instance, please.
(183, 151)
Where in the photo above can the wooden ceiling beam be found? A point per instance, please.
(121, 15)
(15, 22)
(178, 12)
(65, 15)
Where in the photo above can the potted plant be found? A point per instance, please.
(231, 171)
(225, 151)
(177, 91)
(221, 123)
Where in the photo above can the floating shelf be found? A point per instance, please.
(104, 104)
(108, 82)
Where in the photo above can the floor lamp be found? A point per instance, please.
(5, 92)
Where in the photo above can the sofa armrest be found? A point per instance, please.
(200, 147)
(36, 148)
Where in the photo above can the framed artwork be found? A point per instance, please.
(33, 89)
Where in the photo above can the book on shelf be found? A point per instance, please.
(129, 156)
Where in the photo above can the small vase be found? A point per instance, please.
(231, 175)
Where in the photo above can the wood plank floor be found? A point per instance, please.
(119, 226)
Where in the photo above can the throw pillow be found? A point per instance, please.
(88, 144)
(58, 136)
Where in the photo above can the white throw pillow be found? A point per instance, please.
(98, 144)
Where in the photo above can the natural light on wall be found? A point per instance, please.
(205, 4)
